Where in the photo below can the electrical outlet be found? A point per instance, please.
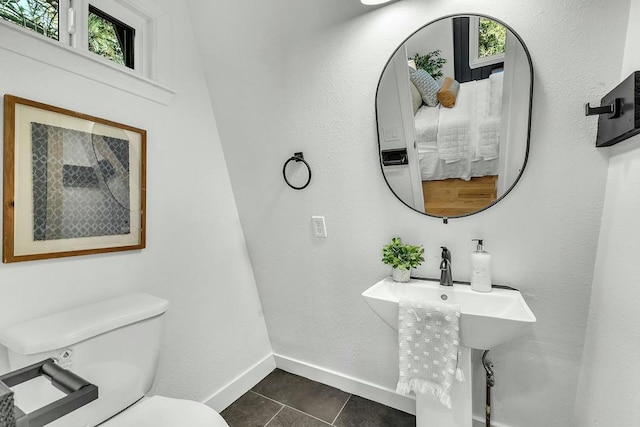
(319, 227)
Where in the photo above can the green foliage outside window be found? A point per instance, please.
(40, 16)
(492, 38)
(103, 39)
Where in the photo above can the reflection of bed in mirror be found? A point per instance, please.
(453, 121)
(462, 141)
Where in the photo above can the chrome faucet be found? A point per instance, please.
(445, 268)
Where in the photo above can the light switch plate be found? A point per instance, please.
(391, 133)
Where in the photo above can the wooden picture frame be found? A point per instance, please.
(74, 184)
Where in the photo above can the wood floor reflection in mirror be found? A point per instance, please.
(454, 197)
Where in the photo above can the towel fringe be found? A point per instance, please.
(418, 385)
(459, 373)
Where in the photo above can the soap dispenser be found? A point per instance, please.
(480, 269)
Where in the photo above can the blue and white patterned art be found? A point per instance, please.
(80, 184)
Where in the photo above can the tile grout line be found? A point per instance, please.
(341, 409)
(308, 415)
(297, 410)
(274, 415)
(275, 401)
(266, 397)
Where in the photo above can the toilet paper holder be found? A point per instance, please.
(618, 113)
(78, 392)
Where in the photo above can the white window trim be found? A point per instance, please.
(148, 81)
(474, 60)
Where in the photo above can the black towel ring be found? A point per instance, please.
(297, 157)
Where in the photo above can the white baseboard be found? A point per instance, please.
(241, 384)
(481, 422)
(252, 376)
(383, 395)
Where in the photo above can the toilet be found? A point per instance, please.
(113, 344)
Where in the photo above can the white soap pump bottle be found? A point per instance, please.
(480, 269)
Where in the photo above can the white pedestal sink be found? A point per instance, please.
(486, 320)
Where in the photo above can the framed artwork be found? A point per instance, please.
(73, 184)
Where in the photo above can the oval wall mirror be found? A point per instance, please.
(453, 110)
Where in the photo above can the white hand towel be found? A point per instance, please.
(428, 334)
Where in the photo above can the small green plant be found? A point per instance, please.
(401, 256)
(431, 63)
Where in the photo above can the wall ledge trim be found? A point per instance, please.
(30, 45)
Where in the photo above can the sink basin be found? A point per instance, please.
(486, 319)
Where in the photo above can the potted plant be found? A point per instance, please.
(402, 258)
(431, 63)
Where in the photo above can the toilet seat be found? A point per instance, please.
(160, 411)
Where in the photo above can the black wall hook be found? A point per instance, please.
(619, 116)
(614, 109)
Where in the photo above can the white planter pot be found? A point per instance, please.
(400, 275)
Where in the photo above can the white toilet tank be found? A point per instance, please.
(113, 344)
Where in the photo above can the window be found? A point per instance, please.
(111, 38)
(40, 16)
(105, 32)
(492, 38)
(487, 40)
(126, 45)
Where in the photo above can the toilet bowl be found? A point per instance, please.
(113, 344)
(160, 411)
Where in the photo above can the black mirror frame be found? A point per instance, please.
(526, 156)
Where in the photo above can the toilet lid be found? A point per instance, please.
(160, 411)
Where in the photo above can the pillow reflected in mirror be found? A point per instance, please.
(416, 98)
(448, 92)
(427, 86)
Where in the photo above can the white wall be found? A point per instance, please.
(301, 76)
(610, 378)
(438, 35)
(196, 255)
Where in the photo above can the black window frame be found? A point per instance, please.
(462, 71)
(126, 35)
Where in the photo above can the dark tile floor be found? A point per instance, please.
(286, 400)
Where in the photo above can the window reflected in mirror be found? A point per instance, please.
(492, 38)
